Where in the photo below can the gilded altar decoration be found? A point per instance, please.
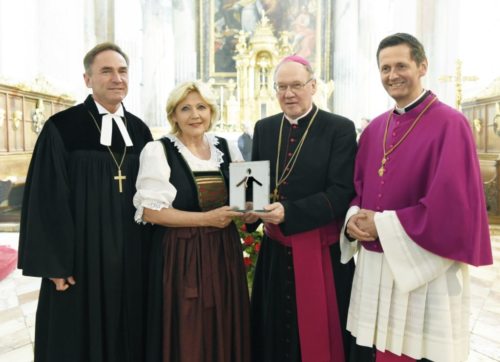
(17, 117)
(42, 85)
(477, 125)
(38, 117)
(240, 61)
(307, 25)
(257, 56)
(496, 120)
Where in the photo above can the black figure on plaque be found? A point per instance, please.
(247, 183)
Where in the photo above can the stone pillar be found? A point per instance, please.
(184, 21)
(104, 20)
(158, 60)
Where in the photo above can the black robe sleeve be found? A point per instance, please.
(320, 187)
(46, 240)
(331, 203)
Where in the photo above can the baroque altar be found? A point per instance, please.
(250, 96)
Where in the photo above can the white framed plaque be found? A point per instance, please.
(249, 185)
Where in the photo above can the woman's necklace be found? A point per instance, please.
(381, 170)
(118, 177)
(287, 170)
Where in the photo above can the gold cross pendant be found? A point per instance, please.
(274, 195)
(120, 178)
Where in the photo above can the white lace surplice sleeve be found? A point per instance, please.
(154, 190)
(411, 265)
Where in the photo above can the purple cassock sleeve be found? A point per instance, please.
(432, 181)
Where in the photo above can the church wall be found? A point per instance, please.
(58, 33)
(185, 25)
(158, 66)
(449, 30)
(359, 27)
(169, 53)
(438, 24)
(51, 45)
(127, 33)
(161, 40)
(478, 26)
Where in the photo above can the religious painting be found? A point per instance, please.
(307, 22)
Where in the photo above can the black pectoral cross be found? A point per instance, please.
(120, 178)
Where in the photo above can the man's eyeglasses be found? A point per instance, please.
(294, 87)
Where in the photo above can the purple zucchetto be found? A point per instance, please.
(296, 59)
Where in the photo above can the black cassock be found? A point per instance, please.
(318, 190)
(75, 222)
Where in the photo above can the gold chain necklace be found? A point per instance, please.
(287, 170)
(118, 177)
(381, 170)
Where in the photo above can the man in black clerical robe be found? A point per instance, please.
(77, 227)
(301, 291)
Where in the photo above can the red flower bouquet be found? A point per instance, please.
(251, 246)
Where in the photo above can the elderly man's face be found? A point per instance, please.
(108, 79)
(295, 89)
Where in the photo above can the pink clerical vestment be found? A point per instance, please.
(431, 180)
(411, 300)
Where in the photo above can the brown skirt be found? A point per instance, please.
(205, 296)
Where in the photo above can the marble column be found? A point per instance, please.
(158, 68)
(360, 25)
(104, 20)
(185, 25)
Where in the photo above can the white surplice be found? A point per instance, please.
(407, 300)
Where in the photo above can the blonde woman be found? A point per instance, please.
(199, 305)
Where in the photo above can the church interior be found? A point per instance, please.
(234, 46)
